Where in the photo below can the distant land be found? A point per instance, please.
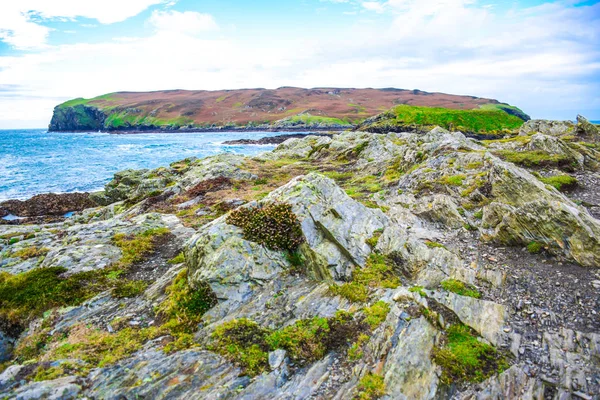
(286, 108)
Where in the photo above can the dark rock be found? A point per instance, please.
(77, 118)
(47, 204)
(274, 139)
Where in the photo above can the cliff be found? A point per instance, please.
(280, 109)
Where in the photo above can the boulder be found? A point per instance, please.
(586, 130)
(546, 127)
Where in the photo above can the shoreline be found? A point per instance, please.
(207, 130)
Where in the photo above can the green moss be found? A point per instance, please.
(535, 158)
(370, 387)
(460, 288)
(355, 352)
(535, 247)
(377, 272)
(137, 247)
(478, 214)
(126, 289)
(465, 358)
(304, 340)
(376, 314)
(455, 180)
(273, 225)
(30, 252)
(434, 245)
(178, 259)
(373, 240)
(244, 342)
(560, 182)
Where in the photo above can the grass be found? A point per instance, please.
(476, 121)
(312, 120)
(464, 358)
(455, 180)
(535, 247)
(434, 245)
(376, 314)
(370, 387)
(374, 240)
(561, 182)
(135, 248)
(460, 288)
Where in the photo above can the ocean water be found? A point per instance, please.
(35, 161)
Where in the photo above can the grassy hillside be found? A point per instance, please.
(488, 119)
(285, 107)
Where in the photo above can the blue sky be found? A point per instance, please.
(543, 56)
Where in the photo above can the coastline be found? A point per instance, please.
(209, 130)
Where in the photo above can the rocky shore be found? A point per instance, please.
(404, 265)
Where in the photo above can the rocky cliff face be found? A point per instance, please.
(413, 266)
(77, 118)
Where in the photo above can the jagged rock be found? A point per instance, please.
(335, 226)
(439, 208)
(555, 146)
(409, 372)
(586, 130)
(219, 166)
(486, 317)
(59, 389)
(546, 127)
(6, 346)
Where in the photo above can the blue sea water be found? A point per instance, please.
(36, 161)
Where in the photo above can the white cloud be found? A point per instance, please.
(188, 22)
(19, 25)
(543, 59)
(374, 6)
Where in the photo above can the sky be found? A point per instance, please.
(542, 56)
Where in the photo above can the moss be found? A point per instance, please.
(376, 314)
(460, 288)
(377, 272)
(370, 387)
(304, 340)
(274, 226)
(464, 358)
(455, 180)
(244, 342)
(135, 248)
(418, 289)
(43, 373)
(535, 158)
(560, 182)
(373, 240)
(355, 352)
(178, 259)
(184, 306)
(478, 214)
(535, 247)
(434, 245)
(30, 252)
(126, 289)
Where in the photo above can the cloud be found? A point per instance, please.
(374, 6)
(187, 22)
(20, 21)
(544, 59)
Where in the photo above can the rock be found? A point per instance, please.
(552, 128)
(274, 139)
(555, 146)
(586, 130)
(439, 208)
(48, 204)
(6, 346)
(276, 358)
(59, 389)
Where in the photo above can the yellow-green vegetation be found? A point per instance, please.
(373, 240)
(378, 272)
(313, 120)
(272, 225)
(464, 358)
(418, 289)
(455, 180)
(434, 245)
(355, 352)
(247, 344)
(30, 252)
(561, 182)
(476, 121)
(136, 248)
(178, 259)
(244, 342)
(461, 288)
(126, 288)
(535, 158)
(370, 387)
(376, 314)
(535, 247)
(183, 309)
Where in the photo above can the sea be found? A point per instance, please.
(37, 161)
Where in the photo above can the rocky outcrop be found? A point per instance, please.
(77, 118)
(414, 238)
(47, 204)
